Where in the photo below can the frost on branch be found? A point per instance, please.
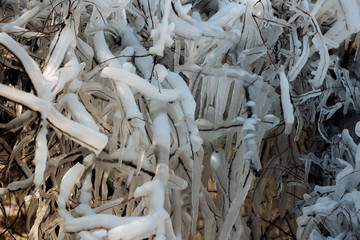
(187, 118)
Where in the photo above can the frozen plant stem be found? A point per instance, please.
(287, 107)
(162, 31)
(41, 153)
(93, 67)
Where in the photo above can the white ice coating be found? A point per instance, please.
(96, 221)
(85, 49)
(16, 27)
(227, 14)
(187, 102)
(79, 112)
(219, 166)
(67, 74)
(188, 106)
(162, 31)
(41, 153)
(29, 64)
(161, 72)
(104, 55)
(352, 14)
(183, 28)
(86, 235)
(142, 85)
(137, 229)
(357, 154)
(287, 107)
(143, 64)
(126, 54)
(84, 209)
(157, 221)
(78, 132)
(324, 62)
(27, 99)
(167, 108)
(357, 129)
(295, 70)
(71, 177)
(160, 125)
(85, 195)
(59, 47)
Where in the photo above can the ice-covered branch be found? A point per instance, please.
(157, 221)
(142, 85)
(161, 34)
(30, 66)
(286, 102)
(103, 53)
(78, 132)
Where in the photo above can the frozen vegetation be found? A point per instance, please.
(175, 119)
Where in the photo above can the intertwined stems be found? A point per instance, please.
(43, 104)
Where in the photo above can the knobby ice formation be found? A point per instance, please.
(165, 119)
